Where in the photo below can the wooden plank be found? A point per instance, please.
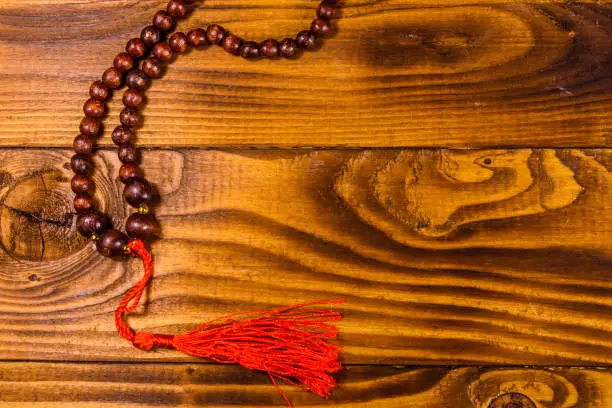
(445, 257)
(465, 73)
(35, 385)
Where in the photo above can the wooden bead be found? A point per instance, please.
(90, 126)
(83, 202)
(215, 34)
(83, 144)
(92, 222)
(197, 37)
(111, 243)
(178, 42)
(153, 67)
(112, 78)
(306, 40)
(136, 48)
(94, 108)
(81, 184)
(130, 117)
(123, 62)
(133, 97)
(288, 48)
(127, 153)
(249, 49)
(137, 79)
(163, 21)
(122, 134)
(98, 90)
(269, 48)
(128, 171)
(232, 43)
(150, 35)
(326, 10)
(80, 164)
(143, 226)
(321, 27)
(162, 51)
(177, 8)
(137, 191)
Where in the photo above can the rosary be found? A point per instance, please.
(295, 344)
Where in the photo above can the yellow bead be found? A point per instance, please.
(94, 237)
(143, 208)
(127, 250)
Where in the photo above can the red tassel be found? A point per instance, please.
(293, 344)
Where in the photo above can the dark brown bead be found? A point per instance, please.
(92, 222)
(249, 49)
(83, 144)
(128, 171)
(162, 51)
(111, 243)
(143, 226)
(232, 43)
(326, 10)
(80, 164)
(306, 40)
(137, 191)
(178, 42)
(177, 8)
(90, 126)
(123, 62)
(130, 117)
(197, 37)
(122, 134)
(321, 27)
(163, 21)
(94, 108)
(150, 35)
(136, 48)
(288, 48)
(112, 78)
(215, 34)
(132, 97)
(99, 91)
(153, 67)
(127, 153)
(81, 184)
(137, 79)
(269, 48)
(83, 202)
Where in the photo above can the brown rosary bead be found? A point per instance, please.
(197, 37)
(132, 97)
(321, 27)
(306, 40)
(232, 43)
(136, 48)
(249, 49)
(123, 62)
(90, 126)
(92, 222)
(80, 164)
(326, 10)
(112, 243)
(122, 134)
(177, 8)
(269, 48)
(137, 191)
(99, 91)
(150, 35)
(163, 21)
(127, 153)
(137, 79)
(83, 202)
(162, 51)
(130, 117)
(179, 43)
(83, 144)
(143, 226)
(215, 34)
(81, 184)
(288, 48)
(128, 171)
(153, 67)
(94, 108)
(112, 78)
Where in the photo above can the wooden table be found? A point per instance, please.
(444, 165)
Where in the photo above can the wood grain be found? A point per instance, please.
(190, 385)
(444, 256)
(457, 74)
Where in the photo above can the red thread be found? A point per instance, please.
(294, 344)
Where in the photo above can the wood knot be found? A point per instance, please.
(512, 400)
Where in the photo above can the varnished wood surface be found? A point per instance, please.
(465, 73)
(444, 256)
(188, 385)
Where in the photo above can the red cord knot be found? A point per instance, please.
(147, 341)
